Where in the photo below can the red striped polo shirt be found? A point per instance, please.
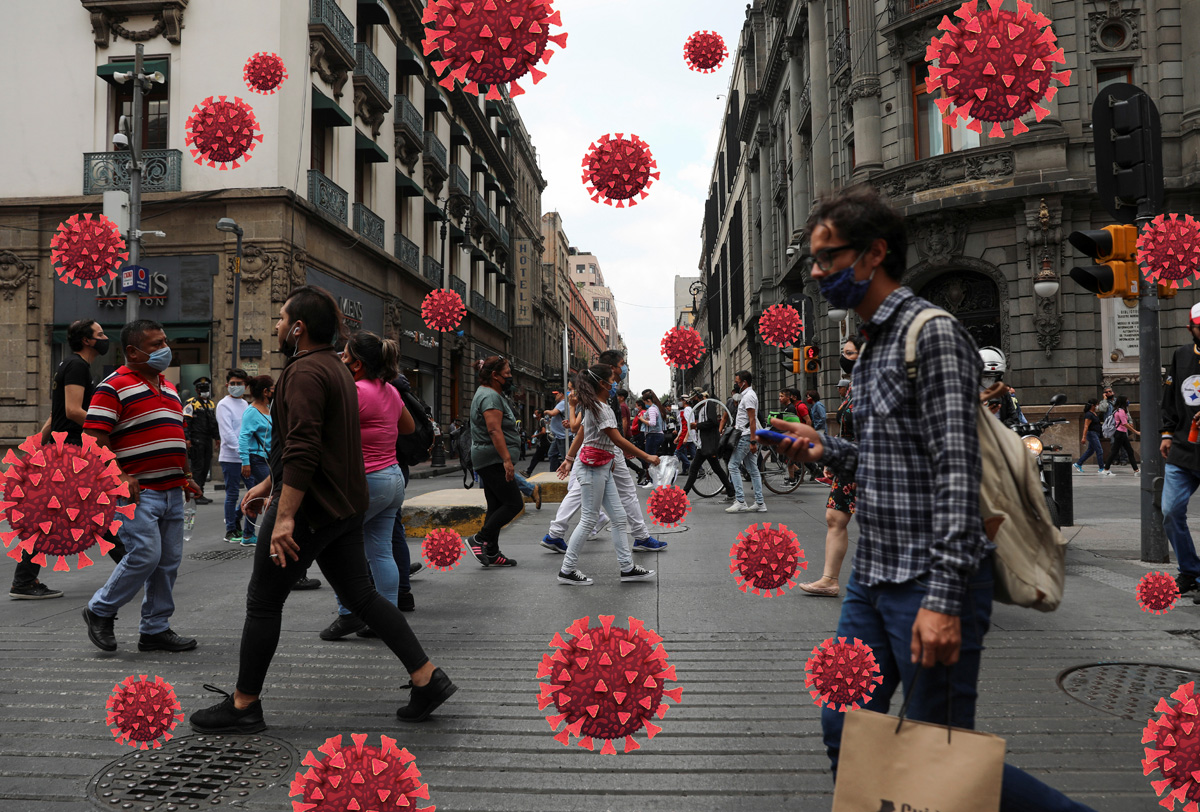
(145, 428)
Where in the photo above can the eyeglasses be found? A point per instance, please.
(823, 259)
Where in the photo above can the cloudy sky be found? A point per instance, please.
(623, 71)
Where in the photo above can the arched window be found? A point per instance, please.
(973, 298)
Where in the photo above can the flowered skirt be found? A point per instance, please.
(841, 496)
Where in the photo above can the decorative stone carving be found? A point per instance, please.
(109, 16)
(288, 275)
(14, 272)
(1114, 30)
(907, 43)
(940, 237)
(391, 319)
(944, 170)
(332, 72)
(967, 297)
(372, 115)
(865, 89)
(257, 266)
(1044, 241)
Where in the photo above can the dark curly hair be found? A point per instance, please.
(862, 216)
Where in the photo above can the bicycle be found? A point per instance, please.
(775, 472)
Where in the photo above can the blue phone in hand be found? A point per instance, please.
(774, 437)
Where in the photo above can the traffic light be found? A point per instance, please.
(812, 359)
(1128, 140)
(793, 359)
(1116, 273)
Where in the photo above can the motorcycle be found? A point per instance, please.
(1031, 434)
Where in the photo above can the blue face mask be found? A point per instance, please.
(159, 359)
(842, 290)
(624, 371)
(612, 389)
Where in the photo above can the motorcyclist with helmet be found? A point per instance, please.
(993, 386)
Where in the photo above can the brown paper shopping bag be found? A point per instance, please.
(898, 765)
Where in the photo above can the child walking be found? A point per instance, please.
(594, 451)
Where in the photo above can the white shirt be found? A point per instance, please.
(749, 400)
(689, 415)
(594, 425)
(229, 422)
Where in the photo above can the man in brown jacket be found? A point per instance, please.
(317, 496)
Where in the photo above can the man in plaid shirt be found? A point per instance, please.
(923, 571)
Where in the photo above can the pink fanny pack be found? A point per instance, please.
(594, 457)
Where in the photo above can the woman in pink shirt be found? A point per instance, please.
(374, 362)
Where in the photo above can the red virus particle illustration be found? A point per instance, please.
(87, 249)
(1175, 749)
(59, 499)
(143, 712)
(682, 347)
(1157, 593)
(766, 558)
(442, 309)
(491, 42)
(668, 505)
(841, 675)
(619, 168)
(222, 132)
(264, 73)
(359, 777)
(780, 325)
(606, 683)
(1169, 250)
(994, 66)
(705, 51)
(442, 549)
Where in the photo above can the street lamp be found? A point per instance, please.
(230, 226)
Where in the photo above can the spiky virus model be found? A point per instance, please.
(442, 549)
(841, 675)
(490, 42)
(766, 558)
(442, 309)
(606, 682)
(1174, 750)
(682, 347)
(143, 712)
(994, 66)
(222, 132)
(705, 51)
(1169, 250)
(780, 325)
(59, 499)
(264, 73)
(1157, 593)
(619, 168)
(668, 505)
(359, 777)
(87, 249)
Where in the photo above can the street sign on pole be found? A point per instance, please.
(135, 279)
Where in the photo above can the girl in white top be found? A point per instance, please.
(593, 453)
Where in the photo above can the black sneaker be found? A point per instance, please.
(165, 641)
(574, 578)
(37, 591)
(426, 699)
(306, 583)
(636, 573)
(414, 568)
(1186, 583)
(344, 625)
(501, 560)
(479, 552)
(405, 602)
(203, 500)
(224, 717)
(100, 630)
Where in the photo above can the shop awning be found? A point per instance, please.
(173, 332)
(435, 100)
(490, 267)
(372, 12)
(327, 113)
(458, 136)
(456, 233)
(432, 210)
(149, 66)
(490, 183)
(374, 153)
(407, 186)
(407, 62)
(478, 163)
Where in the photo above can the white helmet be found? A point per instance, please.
(993, 361)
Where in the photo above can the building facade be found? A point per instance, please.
(828, 93)
(370, 180)
(589, 278)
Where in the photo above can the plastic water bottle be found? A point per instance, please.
(189, 520)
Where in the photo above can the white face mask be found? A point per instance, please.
(236, 391)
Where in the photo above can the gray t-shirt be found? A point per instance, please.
(594, 424)
(483, 453)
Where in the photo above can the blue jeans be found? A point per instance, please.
(1093, 447)
(654, 441)
(153, 539)
(739, 455)
(558, 452)
(400, 550)
(233, 514)
(685, 454)
(524, 484)
(882, 617)
(386, 494)
(597, 487)
(1178, 486)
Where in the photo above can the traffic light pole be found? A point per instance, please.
(1154, 539)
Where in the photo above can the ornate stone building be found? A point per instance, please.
(827, 93)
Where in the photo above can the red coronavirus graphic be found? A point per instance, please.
(619, 168)
(705, 51)
(490, 42)
(222, 132)
(1169, 250)
(59, 499)
(780, 325)
(442, 549)
(766, 558)
(841, 675)
(87, 249)
(1175, 749)
(442, 309)
(1157, 593)
(264, 73)
(606, 683)
(359, 777)
(682, 347)
(994, 66)
(143, 712)
(668, 505)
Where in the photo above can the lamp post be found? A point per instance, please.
(228, 225)
(698, 288)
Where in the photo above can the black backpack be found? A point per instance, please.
(412, 449)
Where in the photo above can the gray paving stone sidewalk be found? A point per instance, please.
(746, 734)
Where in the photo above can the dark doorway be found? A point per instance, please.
(973, 298)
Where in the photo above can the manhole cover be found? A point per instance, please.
(221, 555)
(1127, 690)
(193, 772)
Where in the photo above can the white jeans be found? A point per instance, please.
(626, 489)
(598, 487)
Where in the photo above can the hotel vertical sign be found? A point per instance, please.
(524, 265)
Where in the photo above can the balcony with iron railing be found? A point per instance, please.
(368, 224)
(459, 286)
(435, 156)
(504, 236)
(459, 183)
(329, 25)
(433, 271)
(478, 302)
(841, 50)
(407, 252)
(109, 171)
(410, 124)
(368, 67)
(328, 198)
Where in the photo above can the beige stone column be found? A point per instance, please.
(799, 195)
(864, 88)
(818, 61)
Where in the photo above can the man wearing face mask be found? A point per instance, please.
(136, 413)
(1181, 474)
(230, 411)
(200, 428)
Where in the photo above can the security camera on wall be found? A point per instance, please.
(120, 141)
(791, 251)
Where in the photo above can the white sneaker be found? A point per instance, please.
(738, 507)
(601, 526)
(760, 507)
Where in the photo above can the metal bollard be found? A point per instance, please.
(1064, 490)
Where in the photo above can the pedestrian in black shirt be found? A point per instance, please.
(1181, 472)
(200, 429)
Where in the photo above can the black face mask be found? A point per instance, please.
(101, 346)
(1196, 341)
(847, 364)
(508, 386)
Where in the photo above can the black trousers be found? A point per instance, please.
(337, 549)
(504, 503)
(201, 454)
(714, 462)
(26, 572)
(1120, 442)
(541, 449)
